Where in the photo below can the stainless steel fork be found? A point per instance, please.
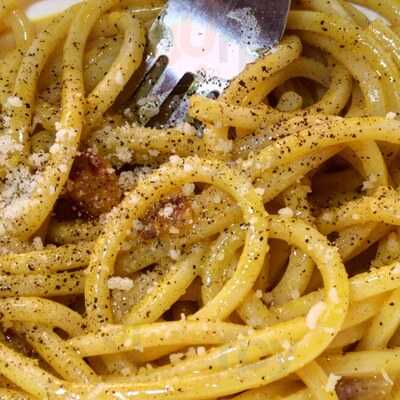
(213, 40)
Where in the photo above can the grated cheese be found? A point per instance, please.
(333, 380)
(123, 154)
(174, 254)
(175, 159)
(260, 191)
(37, 243)
(286, 212)
(391, 115)
(225, 146)
(167, 211)
(154, 153)
(370, 183)
(127, 180)
(188, 189)
(14, 101)
(117, 283)
(119, 78)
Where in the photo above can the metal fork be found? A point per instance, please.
(211, 39)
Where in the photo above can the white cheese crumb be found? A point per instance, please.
(175, 159)
(396, 269)
(117, 283)
(187, 167)
(370, 183)
(119, 78)
(225, 146)
(188, 189)
(201, 351)
(327, 216)
(166, 212)
(65, 134)
(137, 225)
(286, 212)
(123, 154)
(127, 180)
(128, 113)
(391, 115)
(332, 382)
(134, 200)
(37, 243)
(268, 299)
(260, 191)
(314, 315)
(259, 294)
(186, 128)
(174, 254)
(154, 153)
(14, 101)
(38, 160)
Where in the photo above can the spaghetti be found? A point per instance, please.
(260, 260)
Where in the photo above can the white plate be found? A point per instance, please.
(43, 8)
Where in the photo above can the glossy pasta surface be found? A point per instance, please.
(250, 252)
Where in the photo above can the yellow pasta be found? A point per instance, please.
(252, 251)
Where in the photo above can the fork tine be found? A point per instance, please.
(157, 95)
(127, 97)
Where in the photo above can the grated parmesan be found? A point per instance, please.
(154, 153)
(167, 211)
(370, 183)
(123, 154)
(186, 128)
(286, 212)
(14, 101)
(174, 254)
(117, 283)
(225, 146)
(333, 380)
(391, 115)
(188, 189)
(260, 191)
(175, 159)
(37, 243)
(119, 78)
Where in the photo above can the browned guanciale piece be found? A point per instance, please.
(373, 388)
(171, 216)
(93, 185)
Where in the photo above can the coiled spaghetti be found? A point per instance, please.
(259, 260)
